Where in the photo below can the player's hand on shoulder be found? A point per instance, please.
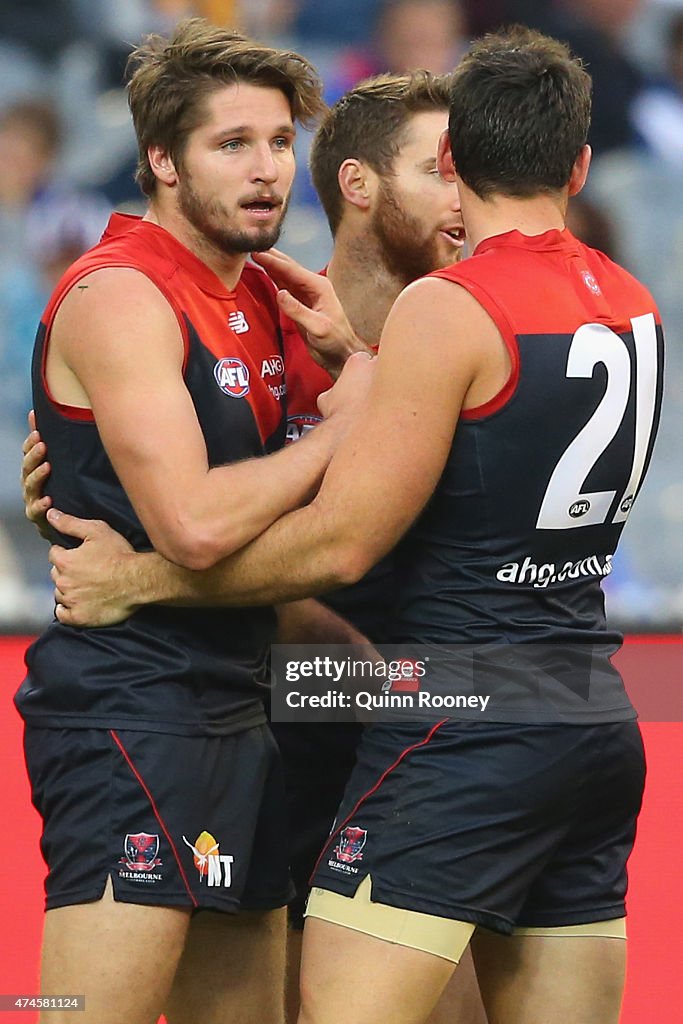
(310, 300)
(90, 580)
(35, 470)
(350, 390)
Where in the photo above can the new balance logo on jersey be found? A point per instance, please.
(232, 376)
(211, 864)
(237, 322)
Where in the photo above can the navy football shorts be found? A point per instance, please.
(177, 821)
(317, 760)
(503, 826)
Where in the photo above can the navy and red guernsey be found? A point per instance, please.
(366, 604)
(539, 482)
(179, 670)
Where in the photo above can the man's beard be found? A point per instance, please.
(211, 220)
(405, 253)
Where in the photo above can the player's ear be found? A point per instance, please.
(577, 179)
(356, 183)
(444, 157)
(162, 165)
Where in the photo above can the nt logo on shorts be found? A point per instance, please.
(212, 865)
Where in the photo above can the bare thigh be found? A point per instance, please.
(534, 979)
(348, 975)
(121, 956)
(461, 1001)
(232, 969)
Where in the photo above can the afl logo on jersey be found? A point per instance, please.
(590, 282)
(579, 508)
(299, 425)
(232, 377)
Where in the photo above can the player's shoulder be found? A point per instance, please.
(447, 321)
(116, 286)
(105, 307)
(433, 297)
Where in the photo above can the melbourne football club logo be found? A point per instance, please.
(232, 376)
(213, 866)
(590, 282)
(237, 322)
(351, 843)
(140, 852)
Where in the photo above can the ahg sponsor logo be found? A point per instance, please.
(530, 573)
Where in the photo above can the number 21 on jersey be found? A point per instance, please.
(565, 506)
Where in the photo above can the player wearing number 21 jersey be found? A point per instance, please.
(541, 478)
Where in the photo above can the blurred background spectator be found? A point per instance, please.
(400, 35)
(595, 30)
(658, 110)
(67, 154)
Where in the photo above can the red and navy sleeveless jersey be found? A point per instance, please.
(539, 481)
(191, 671)
(367, 604)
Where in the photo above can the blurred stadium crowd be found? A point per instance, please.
(67, 154)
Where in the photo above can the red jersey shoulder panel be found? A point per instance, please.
(521, 281)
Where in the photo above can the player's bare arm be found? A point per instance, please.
(124, 360)
(104, 581)
(439, 353)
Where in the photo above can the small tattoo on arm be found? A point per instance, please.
(83, 287)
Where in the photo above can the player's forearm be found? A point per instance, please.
(292, 560)
(234, 504)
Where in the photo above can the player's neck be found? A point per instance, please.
(366, 288)
(227, 267)
(500, 214)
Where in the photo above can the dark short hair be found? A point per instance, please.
(519, 113)
(368, 123)
(171, 79)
